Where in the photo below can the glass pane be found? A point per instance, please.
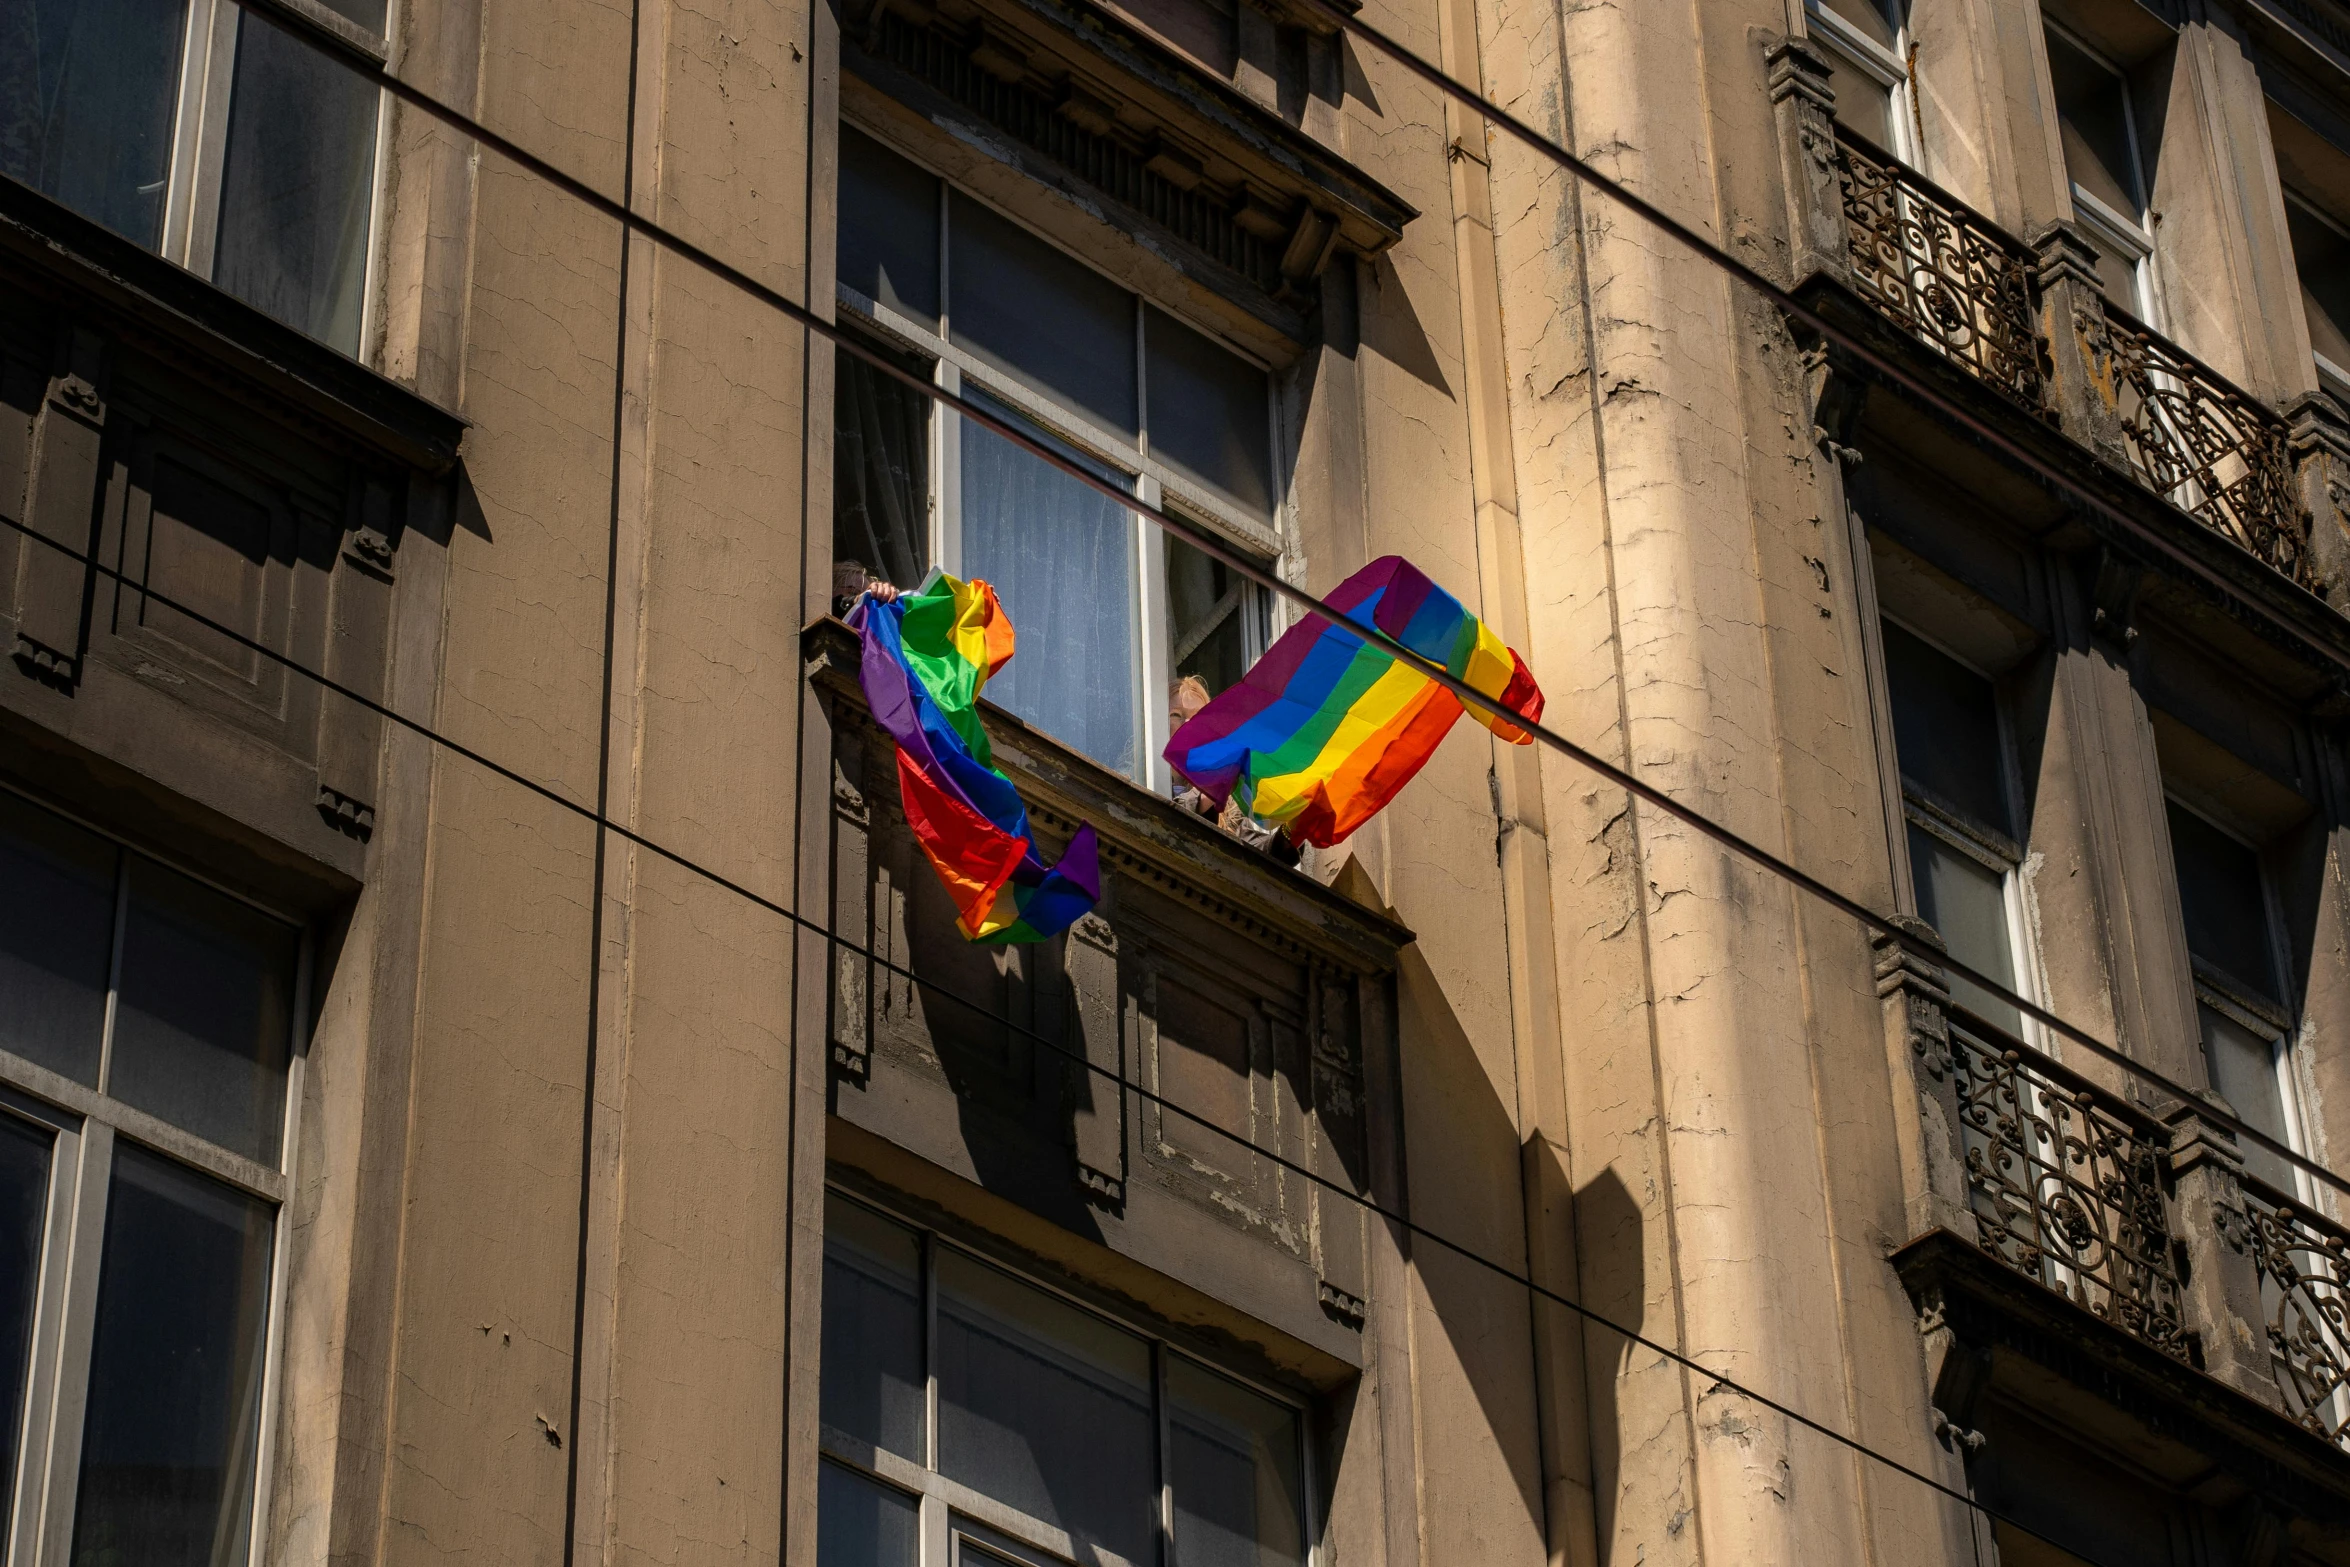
(1061, 558)
(1235, 1472)
(1046, 1408)
(873, 1382)
(2243, 1065)
(24, 1203)
(1214, 616)
(862, 1523)
(880, 473)
(2092, 116)
(1862, 102)
(56, 934)
(1877, 20)
(175, 1371)
(1966, 901)
(1032, 312)
(2221, 900)
(1946, 729)
(295, 190)
(2322, 257)
(203, 1024)
(86, 93)
(1210, 414)
(888, 247)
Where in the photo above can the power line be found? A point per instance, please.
(596, 816)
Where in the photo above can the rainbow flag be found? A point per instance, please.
(927, 657)
(1326, 728)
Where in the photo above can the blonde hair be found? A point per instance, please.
(1190, 685)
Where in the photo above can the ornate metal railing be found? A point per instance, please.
(2212, 450)
(2304, 1263)
(2067, 1184)
(1935, 268)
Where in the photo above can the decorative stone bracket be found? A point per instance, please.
(2220, 1290)
(1915, 993)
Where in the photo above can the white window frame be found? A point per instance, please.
(199, 133)
(2129, 236)
(1155, 483)
(1888, 68)
(87, 1124)
(952, 1515)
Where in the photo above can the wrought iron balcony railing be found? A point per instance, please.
(1935, 268)
(2067, 1184)
(2304, 1263)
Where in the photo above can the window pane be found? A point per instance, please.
(1061, 558)
(1879, 20)
(24, 1201)
(1235, 1473)
(86, 92)
(1032, 312)
(203, 1023)
(2220, 898)
(175, 1371)
(1862, 102)
(1966, 901)
(2243, 1065)
(1214, 616)
(1210, 414)
(56, 933)
(880, 471)
(295, 190)
(888, 227)
(2092, 117)
(2322, 257)
(1046, 1408)
(861, 1523)
(873, 1383)
(1946, 729)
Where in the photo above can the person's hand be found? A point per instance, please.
(881, 592)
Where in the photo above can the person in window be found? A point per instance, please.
(1188, 696)
(851, 581)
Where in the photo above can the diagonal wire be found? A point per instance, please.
(597, 817)
(1213, 544)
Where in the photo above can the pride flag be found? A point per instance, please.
(1326, 728)
(927, 656)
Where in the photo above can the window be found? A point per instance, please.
(2321, 254)
(2233, 940)
(971, 1417)
(1959, 802)
(206, 133)
(1866, 43)
(1116, 610)
(2103, 159)
(148, 1025)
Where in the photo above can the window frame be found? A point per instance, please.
(944, 1505)
(1888, 68)
(2331, 377)
(86, 1124)
(1154, 484)
(2131, 237)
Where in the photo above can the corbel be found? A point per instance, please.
(2115, 581)
(1803, 108)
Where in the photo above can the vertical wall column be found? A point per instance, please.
(2222, 1286)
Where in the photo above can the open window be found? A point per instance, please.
(1111, 611)
(2105, 161)
(1866, 44)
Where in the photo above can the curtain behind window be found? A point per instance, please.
(880, 471)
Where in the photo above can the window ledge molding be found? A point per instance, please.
(1132, 120)
(199, 328)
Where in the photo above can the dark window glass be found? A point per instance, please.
(2093, 121)
(203, 1024)
(24, 1204)
(1061, 557)
(861, 1523)
(1966, 901)
(888, 227)
(1209, 415)
(2322, 257)
(1878, 20)
(86, 93)
(1023, 307)
(56, 936)
(175, 1371)
(1946, 728)
(880, 470)
(296, 185)
(1211, 612)
(1046, 1408)
(2243, 1065)
(873, 1385)
(2220, 898)
(1233, 1459)
(1863, 103)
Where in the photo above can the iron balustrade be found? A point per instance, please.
(2067, 1183)
(1933, 266)
(2304, 1262)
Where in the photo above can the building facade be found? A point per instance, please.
(486, 1074)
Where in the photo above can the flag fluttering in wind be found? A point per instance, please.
(1326, 728)
(927, 657)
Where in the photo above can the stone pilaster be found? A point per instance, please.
(1915, 993)
(2073, 334)
(2319, 438)
(1803, 106)
(2221, 1289)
